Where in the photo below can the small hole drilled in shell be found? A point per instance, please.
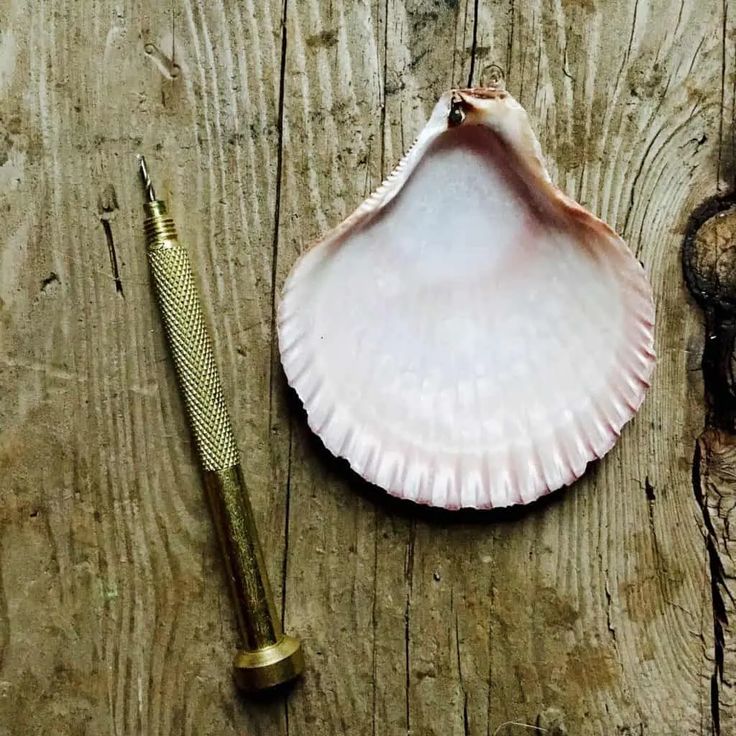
(457, 114)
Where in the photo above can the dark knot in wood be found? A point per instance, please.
(709, 266)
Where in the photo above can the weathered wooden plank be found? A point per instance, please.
(619, 552)
(331, 158)
(117, 615)
(710, 273)
(595, 605)
(447, 594)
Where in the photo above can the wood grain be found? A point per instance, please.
(265, 122)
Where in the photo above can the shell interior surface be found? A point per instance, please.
(469, 336)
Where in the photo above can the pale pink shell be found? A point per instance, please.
(469, 336)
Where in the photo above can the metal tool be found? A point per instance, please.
(269, 657)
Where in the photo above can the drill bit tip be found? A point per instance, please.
(146, 178)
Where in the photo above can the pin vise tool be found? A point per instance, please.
(268, 656)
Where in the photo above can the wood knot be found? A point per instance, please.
(709, 257)
(709, 267)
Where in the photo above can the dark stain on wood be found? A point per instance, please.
(709, 266)
(323, 40)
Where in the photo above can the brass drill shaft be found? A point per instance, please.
(268, 657)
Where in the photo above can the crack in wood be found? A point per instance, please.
(633, 31)
(409, 571)
(463, 689)
(609, 617)
(717, 581)
(474, 44)
(277, 207)
(4, 618)
(382, 163)
(710, 273)
(649, 491)
(635, 182)
(274, 360)
(287, 514)
(374, 622)
(724, 56)
(659, 564)
(113, 255)
(510, 46)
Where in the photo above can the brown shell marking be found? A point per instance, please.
(548, 200)
(484, 93)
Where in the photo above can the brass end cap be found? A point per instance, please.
(270, 666)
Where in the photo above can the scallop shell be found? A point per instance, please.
(470, 336)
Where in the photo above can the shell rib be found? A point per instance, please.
(469, 336)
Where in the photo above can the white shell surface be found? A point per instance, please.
(469, 337)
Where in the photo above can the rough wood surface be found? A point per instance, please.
(604, 610)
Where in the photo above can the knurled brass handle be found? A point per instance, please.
(189, 342)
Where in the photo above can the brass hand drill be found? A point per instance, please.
(269, 657)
